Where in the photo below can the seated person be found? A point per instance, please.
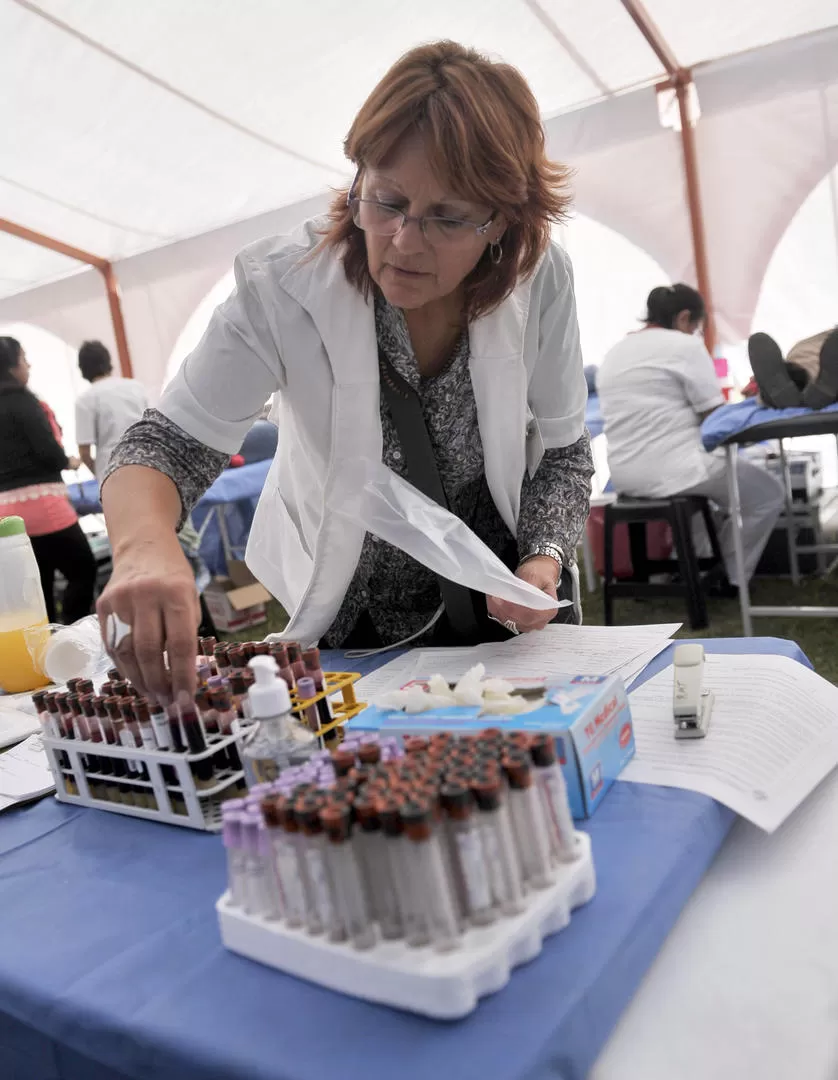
(807, 377)
(107, 409)
(655, 388)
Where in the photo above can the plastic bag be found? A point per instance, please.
(68, 652)
(391, 508)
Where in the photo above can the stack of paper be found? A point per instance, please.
(15, 724)
(24, 773)
(773, 736)
(558, 651)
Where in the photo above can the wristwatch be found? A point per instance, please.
(553, 551)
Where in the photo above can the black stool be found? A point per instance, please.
(679, 511)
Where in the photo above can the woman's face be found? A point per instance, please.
(410, 270)
(21, 372)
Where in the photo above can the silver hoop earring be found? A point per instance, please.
(495, 252)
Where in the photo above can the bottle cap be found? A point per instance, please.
(12, 526)
(269, 694)
(543, 751)
(306, 688)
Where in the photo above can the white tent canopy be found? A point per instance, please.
(163, 136)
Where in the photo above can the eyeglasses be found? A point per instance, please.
(383, 220)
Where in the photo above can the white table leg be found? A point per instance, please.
(738, 550)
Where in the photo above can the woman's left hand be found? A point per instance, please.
(541, 571)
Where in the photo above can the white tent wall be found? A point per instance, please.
(160, 290)
(767, 134)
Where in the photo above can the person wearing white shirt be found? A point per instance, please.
(655, 387)
(105, 411)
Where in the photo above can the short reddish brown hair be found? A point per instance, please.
(485, 139)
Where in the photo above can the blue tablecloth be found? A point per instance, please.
(733, 419)
(236, 490)
(593, 417)
(111, 966)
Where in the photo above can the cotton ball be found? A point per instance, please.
(497, 688)
(439, 686)
(469, 690)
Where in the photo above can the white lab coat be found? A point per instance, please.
(295, 325)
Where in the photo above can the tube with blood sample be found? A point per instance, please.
(529, 827)
(311, 662)
(348, 895)
(551, 783)
(206, 711)
(377, 873)
(469, 861)
(202, 770)
(498, 844)
(228, 723)
(428, 878)
(284, 862)
(222, 660)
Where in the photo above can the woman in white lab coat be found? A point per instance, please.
(655, 387)
(434, 273)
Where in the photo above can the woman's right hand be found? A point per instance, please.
(152, 591)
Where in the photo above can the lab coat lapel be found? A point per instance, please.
(346, 325)
(499, 380)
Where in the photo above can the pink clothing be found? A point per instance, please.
(45, 508)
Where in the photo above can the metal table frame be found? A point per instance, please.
(814, 423)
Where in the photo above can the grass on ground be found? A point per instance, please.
(815, 636)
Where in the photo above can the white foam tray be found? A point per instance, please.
(440, 985)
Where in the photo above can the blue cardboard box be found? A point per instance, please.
(589, 716)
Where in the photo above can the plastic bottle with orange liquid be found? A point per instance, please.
(23, 612)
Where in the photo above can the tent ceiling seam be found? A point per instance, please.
(559, 35)
(169, 89)
(85, 213)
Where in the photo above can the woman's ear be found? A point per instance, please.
(684, 322)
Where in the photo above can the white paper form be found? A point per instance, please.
(557, 652)
(24, 772)
(773, 736)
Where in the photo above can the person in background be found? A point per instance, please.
(656, 386)
(31, 460)
(105, 411)
(808, 376)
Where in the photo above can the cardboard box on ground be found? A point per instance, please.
(236, 601)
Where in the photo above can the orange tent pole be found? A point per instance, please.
(680, 80)
(105, 269)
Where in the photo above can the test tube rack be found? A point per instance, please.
(182, 804)
(445, 986)
(344, 708)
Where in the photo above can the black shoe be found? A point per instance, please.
(824, 390)
(776, 387)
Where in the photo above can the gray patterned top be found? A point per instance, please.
(400, 594)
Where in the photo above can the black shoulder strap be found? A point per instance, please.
(406, 411)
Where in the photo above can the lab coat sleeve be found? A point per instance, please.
(557, 389)
(221, 387)
(699, 377)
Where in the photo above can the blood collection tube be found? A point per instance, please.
(280, 852)
(207, 645)
(415, 924)
(322, 914)
(259, 892)
(498, 844)
(114, 673)
(280, 654)
(201, 770)
(428, 877)
(529, 826)
(228, 724)
(295, 659)
(469, 862)
(369, 753)
(311, 662)
(377, 872)
(222, 660)
(248, 649)
(65, 716)
(117, 765)
(44, 719)
(98, 764)
(238, 687)
(206, 711)
(290, 861)
(143, 718)
(231, 831)
(51, 723)
(551, 784)
(143, 796)
(236, 655)
(343, 761)
(348, 893)
(175, 730)
(307, 713)
(126, 789)
(261, 648)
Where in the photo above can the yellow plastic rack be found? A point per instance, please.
(344, 709)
